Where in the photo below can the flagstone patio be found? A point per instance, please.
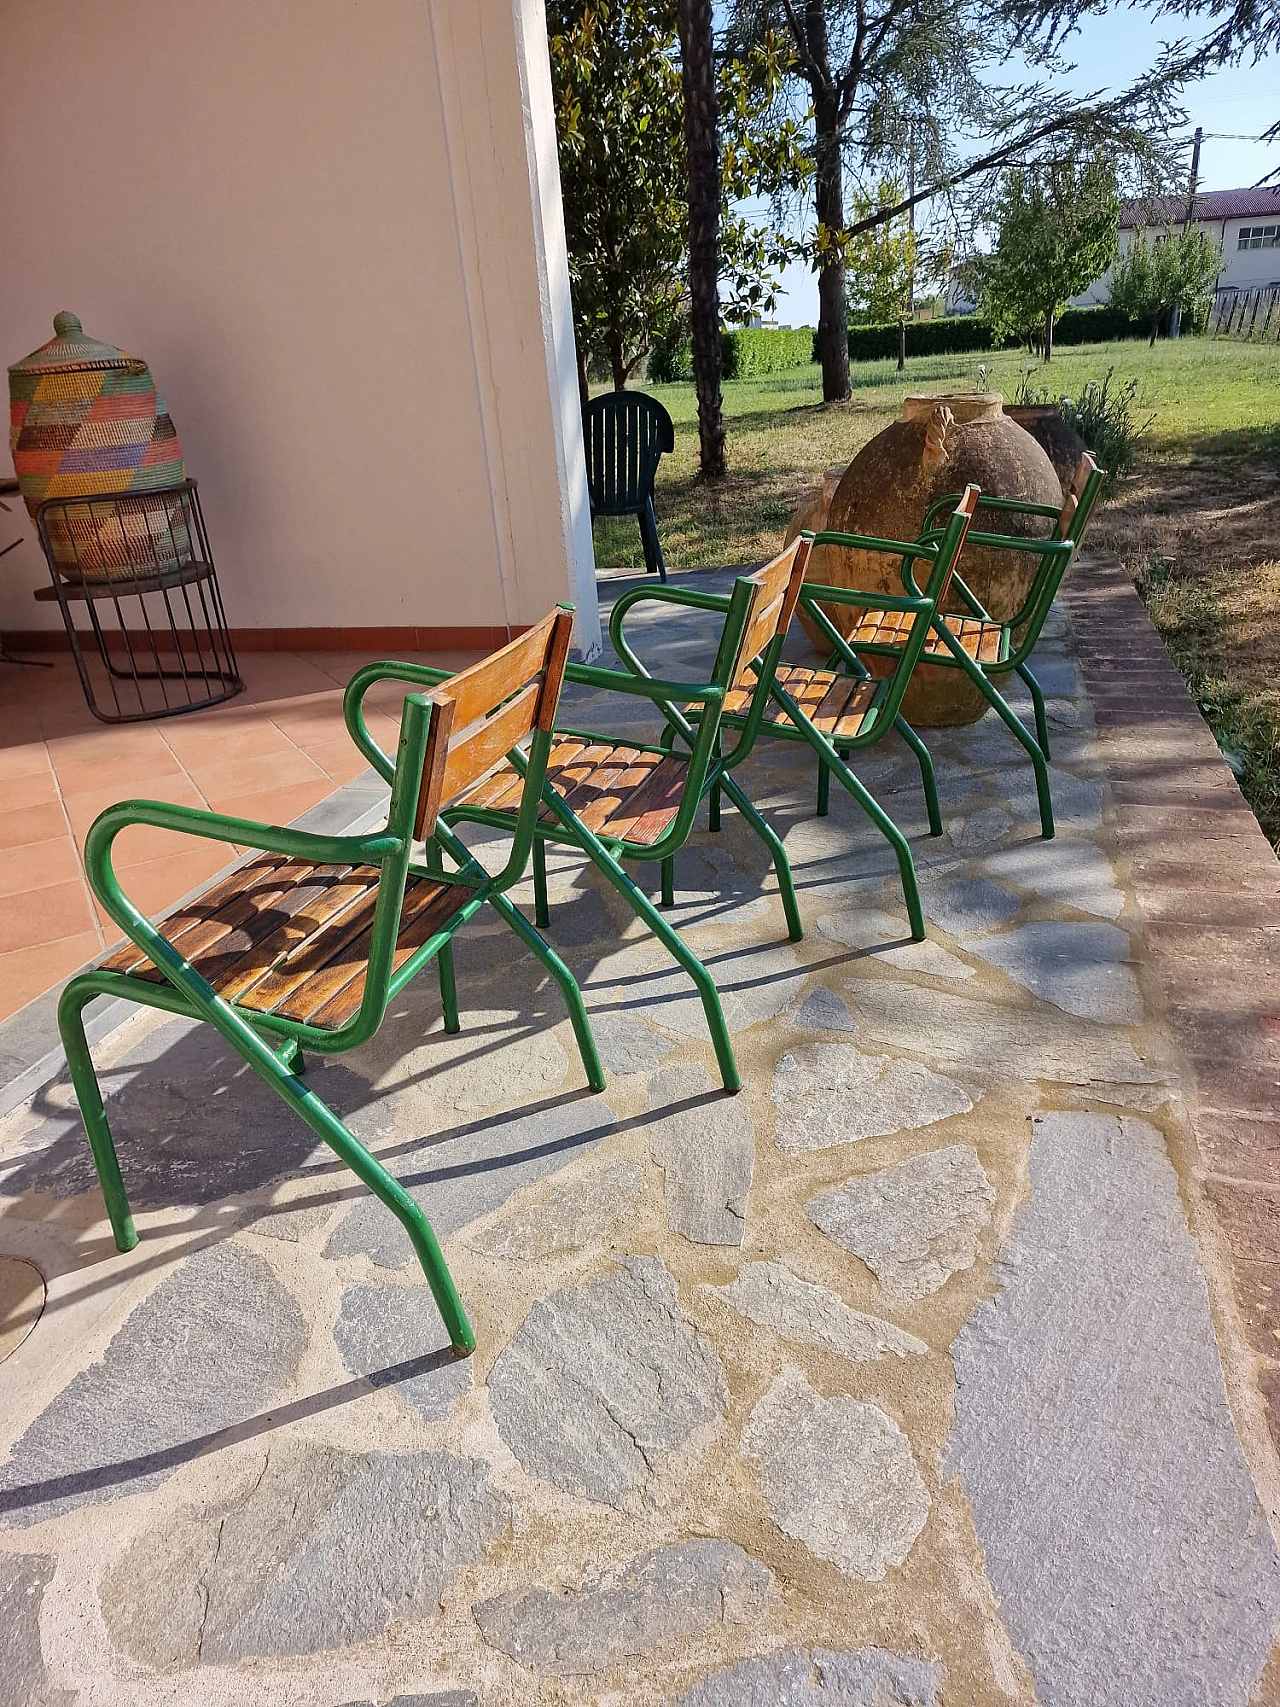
(910, 1377)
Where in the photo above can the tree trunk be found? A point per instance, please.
(698, 76)
(617, 360)
(833, 321)
(902, 343)
(1048, 335)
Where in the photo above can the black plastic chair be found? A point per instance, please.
(625, 434)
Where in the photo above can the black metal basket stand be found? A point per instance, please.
(137, 569)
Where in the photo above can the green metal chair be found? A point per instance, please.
(844, 710)
(625, 434)
(306, 944)
(988, 650)
(620, 800)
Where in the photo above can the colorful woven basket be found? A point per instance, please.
(86, 420)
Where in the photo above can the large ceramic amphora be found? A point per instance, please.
(1055, 435)
(938, 444)
(86, 420)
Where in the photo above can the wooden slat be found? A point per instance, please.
(332, 996)
(483, 687)
(224, 906)
(349, 910)
(234, 966)
(475, 753)
(826, 716)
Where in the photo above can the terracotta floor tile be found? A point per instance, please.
(148, 773)
(102, 744)
(255, 774)
(156, 884)
(29, 972)
(219, 740)
(340, 760)
(39, 864)
(278, 805)
(44, 915)
(36, 788)
(32, 824)
(21, 758)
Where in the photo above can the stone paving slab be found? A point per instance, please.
(773, 1395)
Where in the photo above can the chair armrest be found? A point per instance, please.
(386, 670)
(814, 592)
(646, 687)
(661, 595)
(1011, 542)
(1018, 506)
(192, 821)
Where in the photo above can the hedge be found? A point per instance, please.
(745, 353)
(750, 351)
(956, 333)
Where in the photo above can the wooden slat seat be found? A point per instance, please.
(283, 936)
(619, 792)
(981, 640)
(836, 705)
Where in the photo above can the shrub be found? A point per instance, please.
(671, 358)
(748, 352)
(1106, 420)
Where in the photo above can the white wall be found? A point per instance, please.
(333, 227)
(1242, 269)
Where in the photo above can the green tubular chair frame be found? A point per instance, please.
(708, 771)
(884, 711)
(1020, 634)
(271, 1044)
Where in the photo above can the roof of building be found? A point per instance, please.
(1261, 202)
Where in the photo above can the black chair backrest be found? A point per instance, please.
(625, 434)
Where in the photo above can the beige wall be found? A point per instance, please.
(333, 228)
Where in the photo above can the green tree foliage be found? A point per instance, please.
(1176, 269)
(615, 74)
(880, 260)
(616, 80)
(957, 89)
(1058, 225)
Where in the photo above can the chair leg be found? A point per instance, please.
(824, 789)
(568, 986)
(448, 988)
(884, 823)
(541, 909)
(1021, 734)
(304, 1102)
(654, 564)
(674, 944)
(89, 1095)
(1037, 701)
(927, 777)
(668, 881)
(781, 864)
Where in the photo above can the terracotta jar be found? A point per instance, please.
(86, 420)
(1060, 442)
(938, 445)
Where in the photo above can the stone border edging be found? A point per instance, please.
(1208, 884)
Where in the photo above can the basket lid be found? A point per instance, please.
(70, 349)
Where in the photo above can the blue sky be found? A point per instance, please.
(1109, 52)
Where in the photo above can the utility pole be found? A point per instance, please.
(1175, 319)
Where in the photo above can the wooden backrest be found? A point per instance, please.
(624, 435)
(480, 714)
(775, 591)
(967, 508)
(1071, 503)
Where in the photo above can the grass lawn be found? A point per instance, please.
(1197, 525)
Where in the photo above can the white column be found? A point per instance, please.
(495, 92)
